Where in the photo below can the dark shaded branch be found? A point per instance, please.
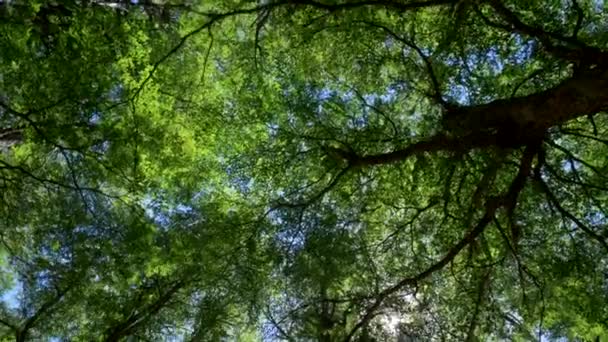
(214, 18)
(277, 325)
(484, 282)
(528, 78)
(434, 144)
(575, 49)
(571, 156)
(319, 194)
(511, 248)
(8, 324)
(412, 281)
(574, 97)
(22, 331)
(561, 178)
(582, 135)
(508, 200)
(505, 122)
(419, 211)
(437, 95)
(5, 165)
(133, 321)
(11, 135)
(580, 15)
(394, 5)
(565, 213)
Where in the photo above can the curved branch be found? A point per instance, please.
(580, 16)
(572, 156)
(535, 73)
(320, 194)
(565, 213)
(412, 281)
(132, 322)
(22, 331)
(508, 200)
(427, 62)
(214, 18)
(578, 51)
(8, 324)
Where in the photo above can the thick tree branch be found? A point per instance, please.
(574, 97)
(370, 312)
(508, 200)
(506, 123)
(580, 16)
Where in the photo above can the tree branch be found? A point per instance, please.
(578, 51)
(437, 95)
(553, 200)
(484, 282)
(214, 18)
(127, 326)
(509, 199)
(22, 331)
(580, 16)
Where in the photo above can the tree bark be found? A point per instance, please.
(506, 123)
(580, 95)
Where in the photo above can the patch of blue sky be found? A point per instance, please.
(274, 217)
(548, 337)
(570, 165)
(390, 95)
(11, 297)
(101, 148)
(597, 218)
(358, 122)
(524, 51)
(273, 129)
(95, 117)
(324, 94)
(460, 93)
(43, 279)
(116, 93)
(291, 240)
(237, 180)
(347, 96)
(496, 62)
(163, 213)
(599, 6)
(172, 335)
(183, 209)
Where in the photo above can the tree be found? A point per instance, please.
(304, 170)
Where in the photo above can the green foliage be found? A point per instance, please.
(286, 170)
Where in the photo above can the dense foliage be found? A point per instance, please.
(303, 170)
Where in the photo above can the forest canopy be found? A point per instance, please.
(303, 170)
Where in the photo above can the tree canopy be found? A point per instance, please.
(303, 170)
